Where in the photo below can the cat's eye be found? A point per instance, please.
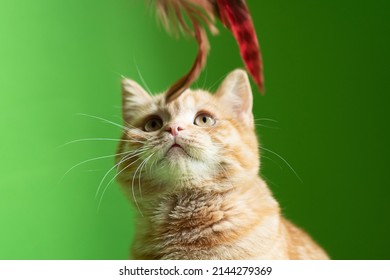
(204, 120)
(153, 124)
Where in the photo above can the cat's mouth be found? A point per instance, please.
(177, 149)
(175, 146)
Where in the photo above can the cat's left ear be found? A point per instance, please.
(235, 93)
(133, 97)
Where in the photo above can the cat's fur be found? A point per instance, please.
(204, 200)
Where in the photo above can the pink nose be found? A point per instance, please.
(174, 129)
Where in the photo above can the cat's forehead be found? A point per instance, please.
(188, 103)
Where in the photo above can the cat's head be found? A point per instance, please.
(199, 137)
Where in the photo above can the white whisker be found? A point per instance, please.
(266, 119)
(125, 158)
(142, 78)
(98, 139)
(154, 161)
(270, 159)
(143, 164)
(135, 130)
(104, 120)
(138, 132)
(89, 160)
(132, 185)
(216, 82)
(106, 187)
(285, 161)
(267, 126)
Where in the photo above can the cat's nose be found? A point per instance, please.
(174, 129)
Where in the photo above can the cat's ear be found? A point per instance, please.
(235, 93)
(133, 96)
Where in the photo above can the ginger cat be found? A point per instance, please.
(191, 167)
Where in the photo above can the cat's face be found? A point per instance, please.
(195, 138)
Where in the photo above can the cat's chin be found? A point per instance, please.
(178, 166)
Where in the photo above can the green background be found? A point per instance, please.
(327, 86)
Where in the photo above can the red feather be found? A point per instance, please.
(235, 15)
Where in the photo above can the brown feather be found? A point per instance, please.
(200, 61)
(174, 12)
(175, 15)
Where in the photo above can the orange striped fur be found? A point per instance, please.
(204, 199)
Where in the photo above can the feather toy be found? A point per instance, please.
(190, 16)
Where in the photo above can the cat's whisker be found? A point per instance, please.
(98, 139)
(268, 180)
(134, 175)
(108, 184)
(133, 138)
(267, 126)
(142, 78)
(259, 120)
(132, 185)
(138, 130)
(125, 158)
(118, 75)
(270, 159)
(216, 82)
(135, 131)
(105, 175)
(154, 162)
(284, 160)
(89, 160)
(265, 119)
(140, 173)
(104, 120)
(130, 125)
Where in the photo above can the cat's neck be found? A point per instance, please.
(201, 218)
(189, 194)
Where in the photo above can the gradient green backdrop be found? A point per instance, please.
(327, 85)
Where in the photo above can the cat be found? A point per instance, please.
(191, 168)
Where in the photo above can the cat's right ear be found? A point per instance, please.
(133, 97)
